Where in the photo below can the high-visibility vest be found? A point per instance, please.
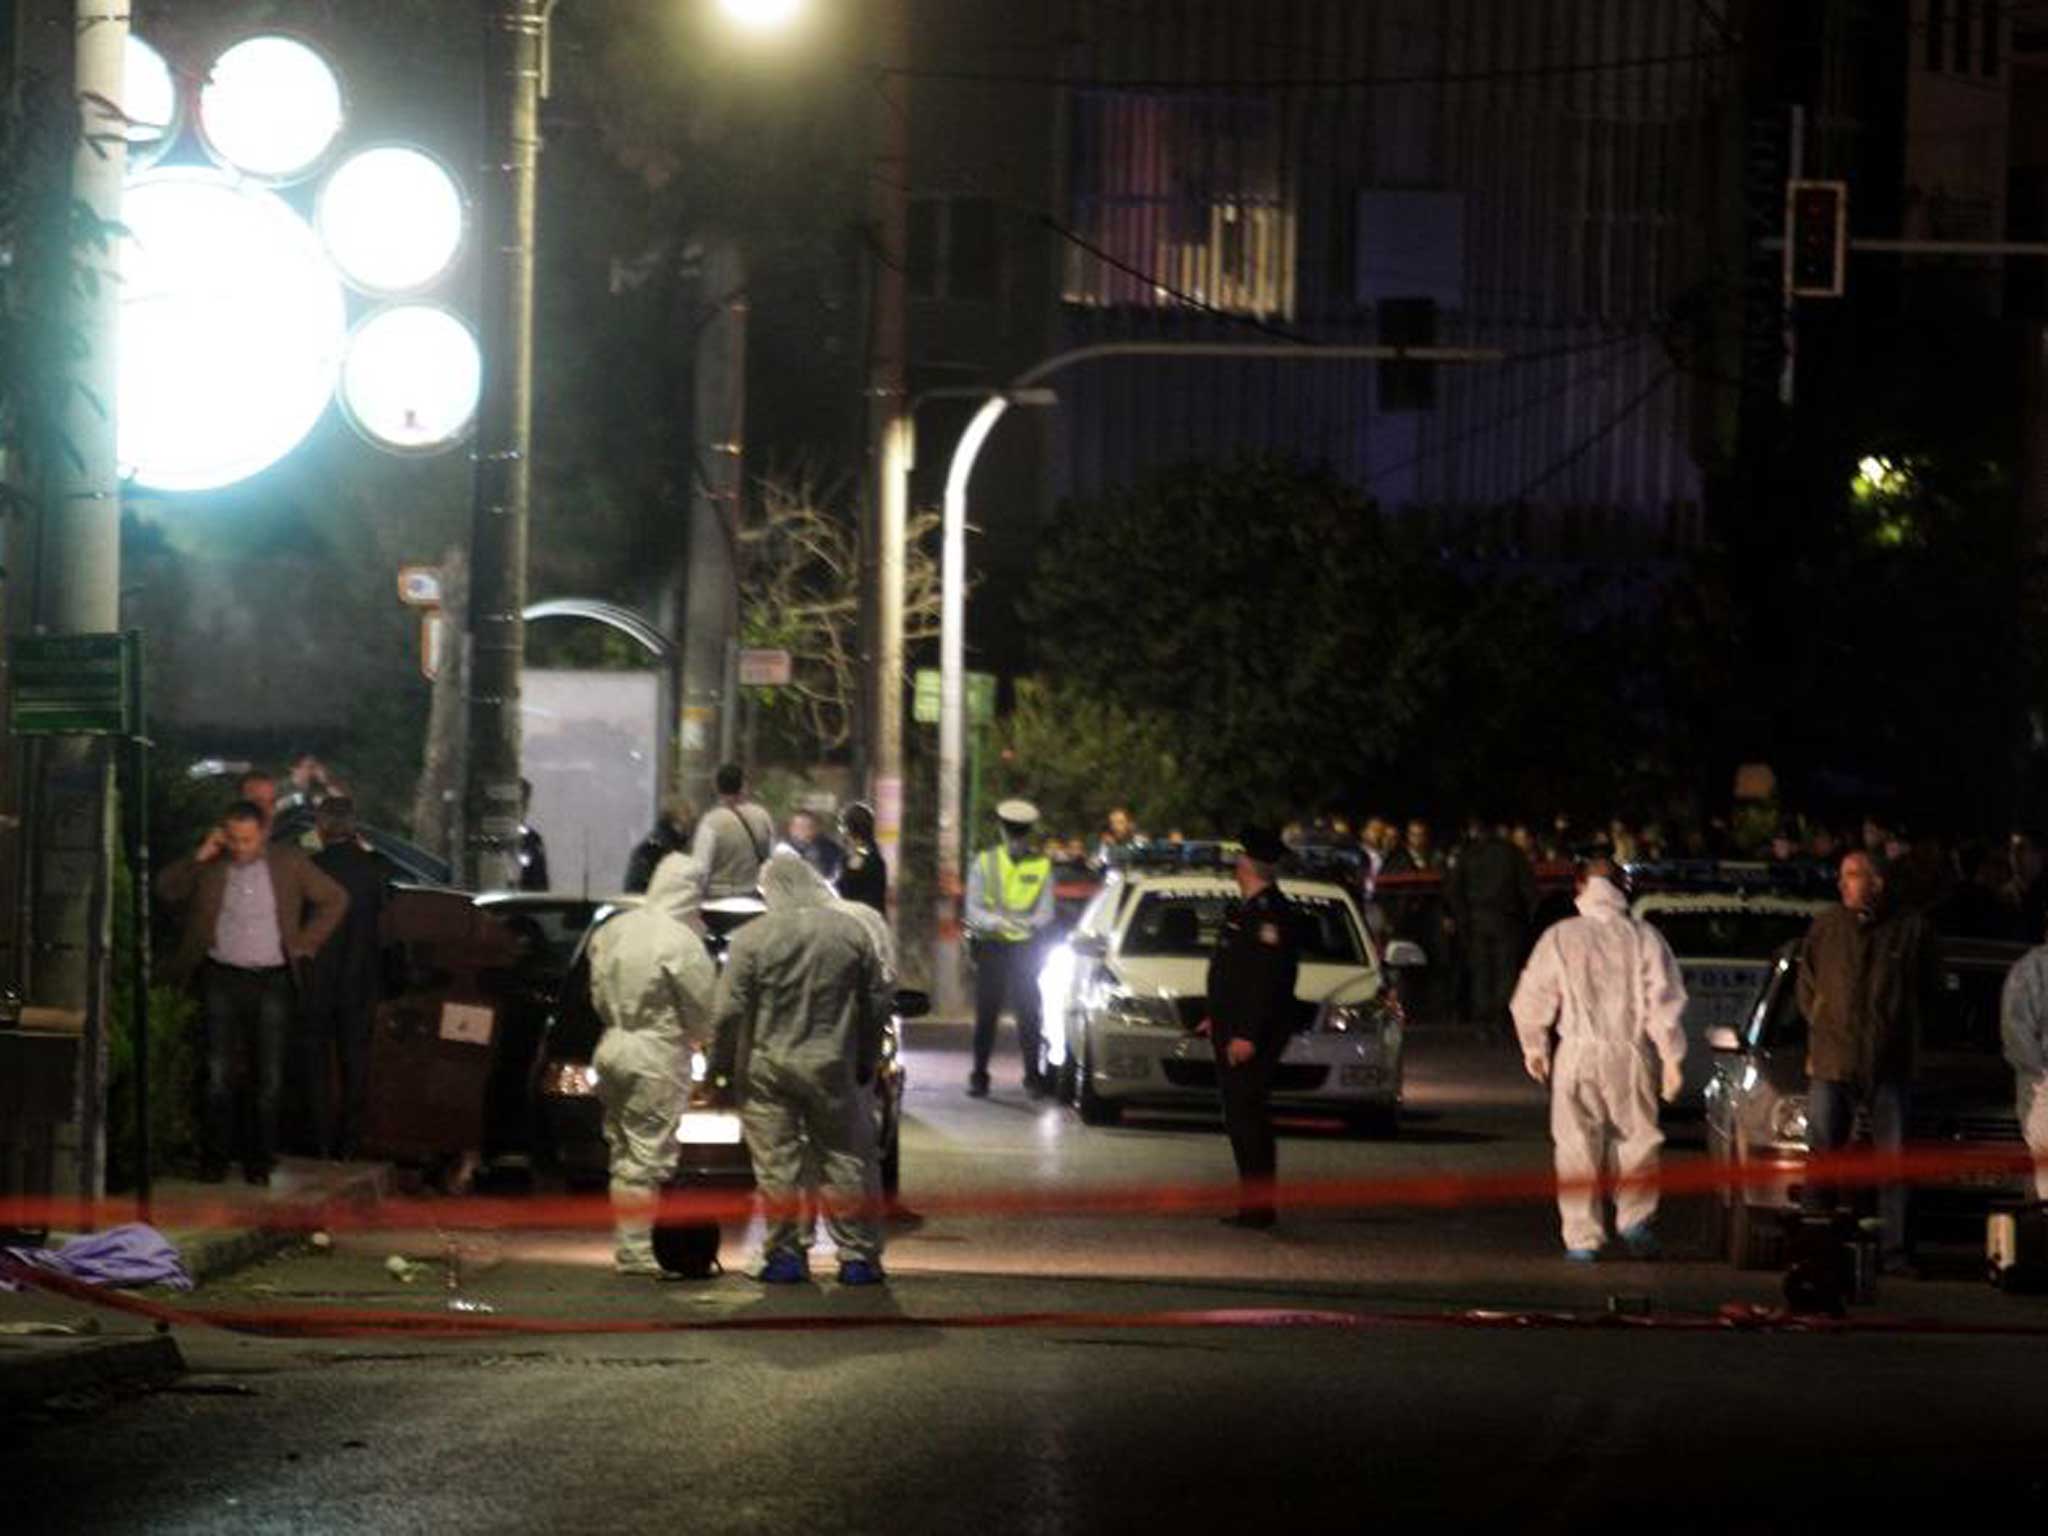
(1012, 886)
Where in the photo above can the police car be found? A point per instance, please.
(1123, 993)
(1725, 942)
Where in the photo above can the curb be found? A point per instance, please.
(53, 1368)
(213, 1255)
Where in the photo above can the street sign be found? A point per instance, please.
(981, 697)
(419, 586)
(71, 685)
(764, 669)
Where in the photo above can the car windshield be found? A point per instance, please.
(1964, 1022)
(1726, 933)
(1186, 925)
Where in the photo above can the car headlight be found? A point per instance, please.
(1145, 1012)
(709, 1128)
(568, 1079)
(1380, 1016)
(1788, 1119)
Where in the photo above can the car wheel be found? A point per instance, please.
(1095, 1109)
(688, 1249)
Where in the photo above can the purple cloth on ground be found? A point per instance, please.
(133, 1254)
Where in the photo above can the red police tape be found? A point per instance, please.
(1843, 1170)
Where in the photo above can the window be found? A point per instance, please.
(1937, 36)
(1962, 58)
(953, 250)
(1187, 926)
(1994, 39)
(1180, 195)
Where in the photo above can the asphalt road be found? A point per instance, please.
(925, 1421)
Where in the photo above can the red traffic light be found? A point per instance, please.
(1816, 238)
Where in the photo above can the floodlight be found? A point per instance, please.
(392, 218)
(232, 327)
(763, 15)
(411, 378)
(271, 108)
(149, 100)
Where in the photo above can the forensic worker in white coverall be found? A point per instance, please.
(802, 1008)
(1611, 987)
(655, 986)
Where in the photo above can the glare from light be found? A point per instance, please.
(232, 326)
(392, 219)
(762, 15)
(271, 107)
(149, 97)
(411, 379)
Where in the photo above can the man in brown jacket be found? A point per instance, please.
(1869, 974)
(253, 911)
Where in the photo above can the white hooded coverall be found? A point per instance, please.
(653, 983)
(1612, 987)
(802, 1006)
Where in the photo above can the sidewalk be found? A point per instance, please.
(52, 1346)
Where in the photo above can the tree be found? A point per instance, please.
(1077, 755)
(799, 560)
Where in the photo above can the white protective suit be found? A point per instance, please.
(1612, 987)
(655, 986)
(2023, 1019)
(802, 1006)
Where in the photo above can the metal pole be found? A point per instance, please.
(77, 591)
(138, 917)
(515, 38)
(889, 426)
(1795, 170)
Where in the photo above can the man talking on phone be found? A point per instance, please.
(253, 910)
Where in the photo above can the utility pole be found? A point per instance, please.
(515, 39)
(710, 617)
(77, 592)
(889, 426)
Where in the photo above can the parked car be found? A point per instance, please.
(546, 928)
(1962, 1097)
(414, 865)
(1123, 993)
(1725, 942)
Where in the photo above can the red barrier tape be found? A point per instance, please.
(371, 1322)
(1843, 1170)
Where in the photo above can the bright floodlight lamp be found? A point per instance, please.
(762, 15)
(149, 101)
(232, 327)
(271, 108)
(411, 379)
(392, 217)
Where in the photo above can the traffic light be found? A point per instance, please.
(1816, 238)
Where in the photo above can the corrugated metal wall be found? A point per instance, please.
(1563, 147)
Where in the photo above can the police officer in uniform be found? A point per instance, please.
(1252, 1014)
(1009, 905)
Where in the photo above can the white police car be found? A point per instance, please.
(1726, 943)
(1123, 992)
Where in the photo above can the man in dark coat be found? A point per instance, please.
(864, 877)
(1869, 977)
(343, 986)
(1490, 892)
(1251, 1017)
(671, 834)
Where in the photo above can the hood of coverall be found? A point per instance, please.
(788, 883)
(1601, 898)
(677, 887)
